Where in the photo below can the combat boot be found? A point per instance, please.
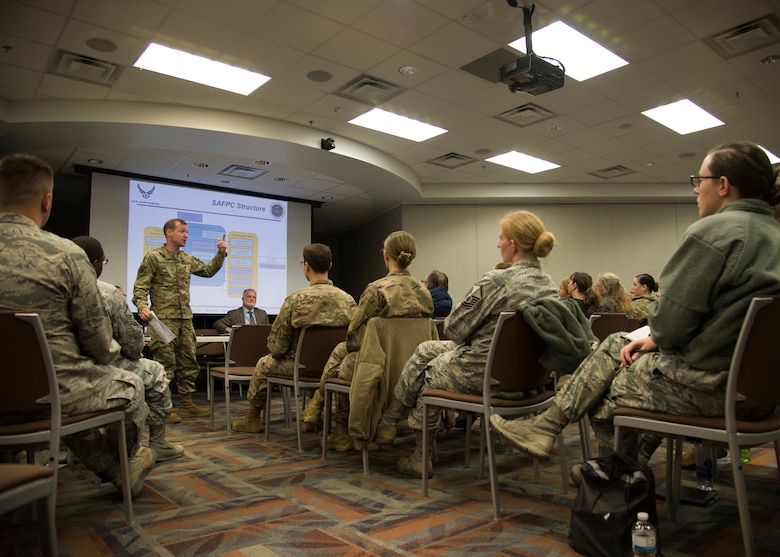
(413, 465)
(173, 418)
(312, 414)
(162, 449)
(340, 440)
(139, 466)
(535, 436)
(253, 422)
(188, 409)
(388, 425)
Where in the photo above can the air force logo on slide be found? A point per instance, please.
(277, 210)
(145, 194)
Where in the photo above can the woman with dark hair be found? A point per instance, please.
(642, 295)
(730, 255)
(581, 289)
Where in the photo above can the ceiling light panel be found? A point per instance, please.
(683, 116)
(395, 124)
(183, 65)
(523, 162)
(582, 57)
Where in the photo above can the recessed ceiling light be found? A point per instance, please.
(407, 70)
(686, 155)
(281, 179)
(224, 181)
(483, 151)
(319, 76)
(183, 65)
(261, 162)
(94, 161)
(771, 59)
(327, 198)
(773, 159)
(648, 164)
(521, 161)
(683, 116)
(201, 165)
(582, 57)
(102, 45)
(395, 124)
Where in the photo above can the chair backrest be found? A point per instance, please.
(210, 348)
(513, 359)
(247, 344)
(753, 373)
(29, 375)
(440, 329)
(604, 324)
(314, 347)
(632, 324)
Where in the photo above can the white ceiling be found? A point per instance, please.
(146, 123)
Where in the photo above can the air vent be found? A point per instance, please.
(370, 90)
(85, 68)
(747, 37)
(244, 172)
(526, 115)
(612, 172)
(452, 160)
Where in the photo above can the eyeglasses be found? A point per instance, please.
(104, 261)
(696, 180)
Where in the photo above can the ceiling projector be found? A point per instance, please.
(531, 74)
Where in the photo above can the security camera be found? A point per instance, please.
(328, 144)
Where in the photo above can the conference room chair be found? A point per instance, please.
(315, 344)
(209, 353)
(512, 366)
(247, 344)
(753, 382)
(440, 329)
(604, 324)
(632, 324)
(388, 343)
(37, 421)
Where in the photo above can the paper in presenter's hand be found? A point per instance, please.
(165, 334)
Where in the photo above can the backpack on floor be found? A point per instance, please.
(612, 491)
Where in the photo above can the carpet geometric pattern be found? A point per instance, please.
(237, 496)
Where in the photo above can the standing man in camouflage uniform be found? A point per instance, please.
(320, 303)
(458, 364)
(164, 279)
(43, 273)
(130, 336)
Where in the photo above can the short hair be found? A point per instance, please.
(748, 169)
(437, 279)
(401, 248)
(171, 225)
(647, 280)
(248, 290)
(91, 247)
(24, 179)
(528, 233)
(319, 257)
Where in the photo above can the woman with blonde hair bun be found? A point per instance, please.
(397, 294)
(459, 364)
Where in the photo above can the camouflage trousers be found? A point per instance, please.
(258, 385)
(433, 366)
(156, 391)
(178, 357)
(97, 448)
(341, 364)
(600, 384)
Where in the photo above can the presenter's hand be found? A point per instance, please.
(145, 314)
(634, 349)
(221, 245)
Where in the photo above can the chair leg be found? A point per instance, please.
(298, 411)
(584, 425)
(742, 500)
(425, 458)
(365, 459)
(125, 469)
(267, 413)
(326, 409)
(491, 451)
(467, 456)
(564, 464)
(227, 404)
(210, 388)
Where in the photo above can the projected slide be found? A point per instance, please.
(255, 231)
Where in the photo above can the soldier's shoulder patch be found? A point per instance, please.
(473, 297)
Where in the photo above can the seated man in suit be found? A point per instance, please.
(247, 314)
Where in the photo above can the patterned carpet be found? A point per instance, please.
(240, 496)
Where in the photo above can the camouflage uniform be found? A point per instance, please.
(398, 294)
(639, 307)
(164, 279)
(459, 364)
(43, 273)
(722, 262)
(320, 303)
(130, 336)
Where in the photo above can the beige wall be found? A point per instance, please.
(626, 239)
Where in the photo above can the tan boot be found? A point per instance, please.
(388, 425)
(140, 465)
(188, 409)
(173, 418)
(413, 465)
(252, 423)
(312, 414)
(340, 440)
(535, 436)
(162, 449)
(385, 434)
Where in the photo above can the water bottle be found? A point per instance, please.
(705, 462)
(745, 455)
(643, 538)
